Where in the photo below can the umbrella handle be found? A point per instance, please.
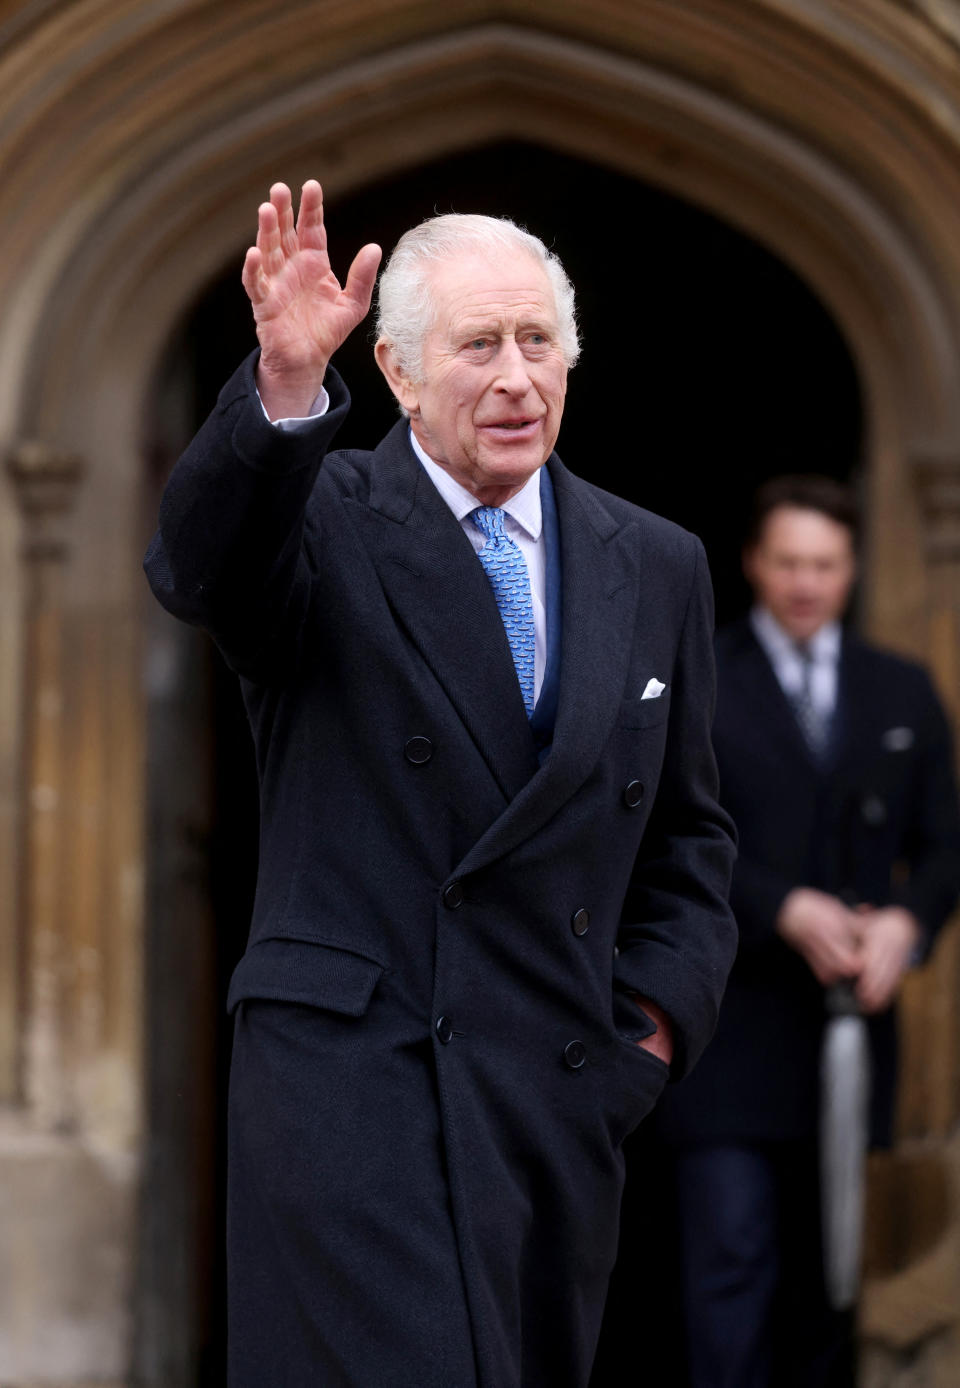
(840, 1000)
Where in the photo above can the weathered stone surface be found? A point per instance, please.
(910, 1316)
(66, 1215)
(932, 1364)
(135, 140)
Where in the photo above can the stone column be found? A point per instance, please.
(931, 1071)
(67, 1190)
(910, 1320)
(46, 482)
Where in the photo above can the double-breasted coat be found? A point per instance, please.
(435, 1055)
(876, 821)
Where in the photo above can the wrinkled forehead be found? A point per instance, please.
(481, 287)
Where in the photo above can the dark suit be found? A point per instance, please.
(876, 822)
(435, 1061)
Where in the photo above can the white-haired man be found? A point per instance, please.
(491, 907)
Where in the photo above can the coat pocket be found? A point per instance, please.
(644, 713)
(284, 970)
(636, 1082)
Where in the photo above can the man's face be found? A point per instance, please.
(489, 405)
(802, 569)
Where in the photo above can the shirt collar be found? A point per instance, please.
(524, 508)
(824, 644)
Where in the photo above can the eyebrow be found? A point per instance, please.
(486, 327)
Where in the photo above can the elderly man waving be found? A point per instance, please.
(491, 911)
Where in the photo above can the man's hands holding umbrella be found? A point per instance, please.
(871, 946)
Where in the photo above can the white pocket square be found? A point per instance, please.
(653, 690)
(898, 739)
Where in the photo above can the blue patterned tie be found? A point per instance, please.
(505, 567)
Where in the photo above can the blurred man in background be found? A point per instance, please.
(836, 765)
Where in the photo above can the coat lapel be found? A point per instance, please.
(602, 573)
(859, 717)
(442, 598)
(765, 703)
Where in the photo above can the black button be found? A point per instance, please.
(453, 895)
(445, 1029)
(633, 794)
(418, 750)
(575, 1054)
(874, 811)
(581, 921)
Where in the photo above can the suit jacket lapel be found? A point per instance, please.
(442, 598)
(858, 718)
(761, 690)
(602, 573)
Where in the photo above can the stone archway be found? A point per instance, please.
(835, 145)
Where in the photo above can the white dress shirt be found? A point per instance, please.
(788, 663)
(523, 524)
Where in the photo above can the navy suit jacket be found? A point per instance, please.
(435, 1056)
(878, 822)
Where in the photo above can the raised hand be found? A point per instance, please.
(301, 312)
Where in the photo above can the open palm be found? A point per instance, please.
(301, 312)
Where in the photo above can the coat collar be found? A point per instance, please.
(760, 693)
(441, 595)
(443, 599)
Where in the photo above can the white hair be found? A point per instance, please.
(406, 310)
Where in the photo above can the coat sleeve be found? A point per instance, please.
(678, 938)
(229, 551)
(756, 895)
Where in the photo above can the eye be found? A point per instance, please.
(479, 343)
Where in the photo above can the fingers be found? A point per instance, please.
(879, 981)
(282, 200)
(254, 280)
(362, 276)
(832, 962)
(888, 945)
(311, 232)
(269, 242)
(278, 237)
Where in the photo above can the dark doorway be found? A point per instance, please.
(707, 366)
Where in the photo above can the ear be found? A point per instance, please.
(408, 397)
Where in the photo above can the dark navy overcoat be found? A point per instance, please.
(435, 1054)
(877, 821)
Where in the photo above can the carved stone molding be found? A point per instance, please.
(938, 486)
(45, 480)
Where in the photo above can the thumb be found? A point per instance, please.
(362, 276)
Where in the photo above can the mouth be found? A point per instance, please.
(514, 427)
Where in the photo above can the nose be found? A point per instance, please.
(512, 376)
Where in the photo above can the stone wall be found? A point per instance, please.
(135, 141)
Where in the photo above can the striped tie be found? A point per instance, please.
(504, 565)
(814, 725)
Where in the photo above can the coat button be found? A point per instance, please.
(444, 1029)
(633, 794)
(581, 921)
(453, 895)
(575, 1054)
(418, 750)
